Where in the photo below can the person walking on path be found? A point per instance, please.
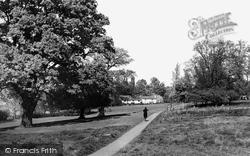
(145, 113)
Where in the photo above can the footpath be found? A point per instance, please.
(121, 142)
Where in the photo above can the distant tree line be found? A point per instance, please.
(125, 84)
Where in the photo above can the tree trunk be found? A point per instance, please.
(28, 106)
(82, 113)
(29, 102)
(27, 118)
(14, 113)
(101, 112)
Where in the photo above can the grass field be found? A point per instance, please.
(211, 131)
(79, 137)
(222, 131)
(75, 142)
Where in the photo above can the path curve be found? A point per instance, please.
(115, 146)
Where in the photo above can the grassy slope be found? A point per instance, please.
(195, 132)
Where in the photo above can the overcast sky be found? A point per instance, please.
(155, 33)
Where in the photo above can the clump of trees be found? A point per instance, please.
(217, 74)
(154, 87)
(59, 49)
(124, 84)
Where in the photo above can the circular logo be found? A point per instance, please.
(7, 150)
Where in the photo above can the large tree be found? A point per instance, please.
(41, 43)
(157, 86)
(124, 81)
(218, 70)
(142, 88)
(96, 85)
(220, 63)
(176, 74)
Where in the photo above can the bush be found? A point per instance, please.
(232, 95)
(177, 97)
(174, 97)
(192, 97)
(166, 97)
(214, 96)
(217, 96)
(4, 114)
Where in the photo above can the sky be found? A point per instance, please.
(155, 33)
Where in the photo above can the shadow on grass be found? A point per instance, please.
(69, 122)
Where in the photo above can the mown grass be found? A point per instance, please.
(75, 142)
(223, 131)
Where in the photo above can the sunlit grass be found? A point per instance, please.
(217, 131)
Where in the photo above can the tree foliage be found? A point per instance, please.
(217, 73)
(141, 87)
(124, 81)
(42, 42)
(157, 86)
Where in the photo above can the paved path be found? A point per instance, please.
(115, 146)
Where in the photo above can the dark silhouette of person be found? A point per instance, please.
(145, 113)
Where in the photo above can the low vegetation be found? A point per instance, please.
(77, 142)
(217, 131)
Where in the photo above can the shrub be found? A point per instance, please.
(232, 95)
(217, 96)
(166, 97)
(174, 97)
(192, 97)
(214, 96)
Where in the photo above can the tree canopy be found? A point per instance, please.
(217, 73)
(44, 43)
